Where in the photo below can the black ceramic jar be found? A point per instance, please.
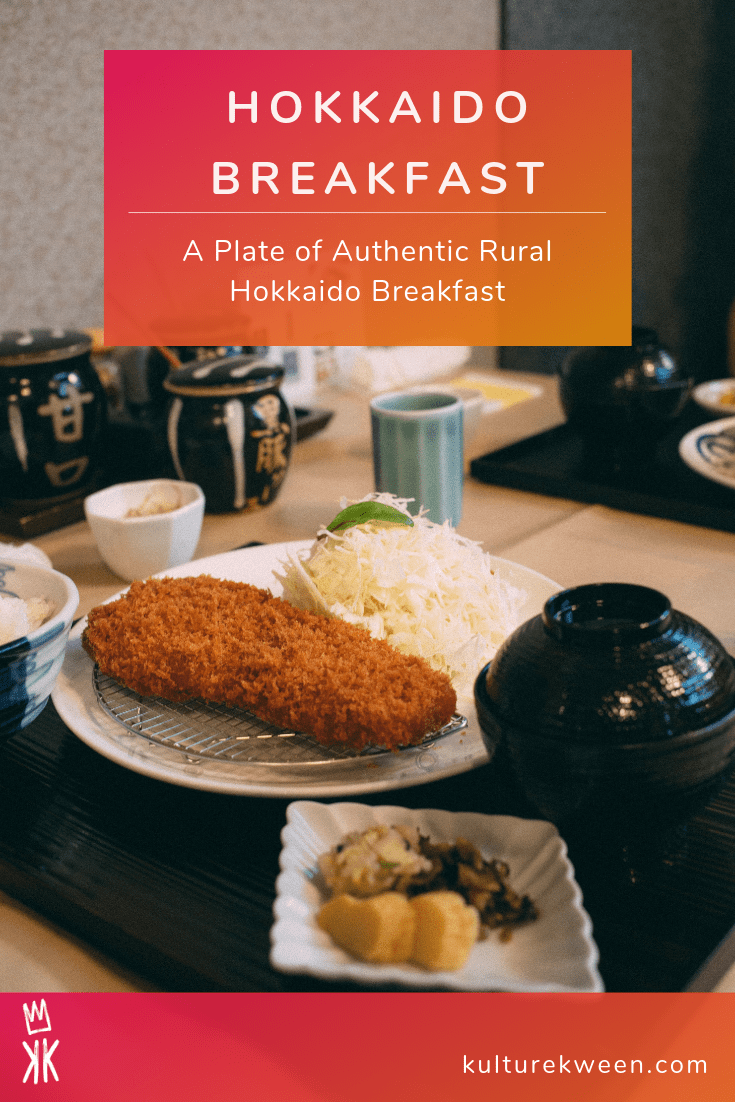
(621, 400)
(610, 708)
(230, 430)
(52, 414)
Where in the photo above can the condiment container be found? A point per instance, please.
(230, 430)
(142, 528)
(52, 414)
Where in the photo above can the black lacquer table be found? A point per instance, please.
(178, 884)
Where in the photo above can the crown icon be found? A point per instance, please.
(39, 1014)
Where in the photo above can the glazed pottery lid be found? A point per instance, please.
(611, 371)
(19, 347)
(611, 662)
(230, 375)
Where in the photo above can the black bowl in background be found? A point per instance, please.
(610, 709)
(621, 400)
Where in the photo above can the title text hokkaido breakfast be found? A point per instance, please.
(286, 107)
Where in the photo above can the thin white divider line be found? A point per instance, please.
(259, 212)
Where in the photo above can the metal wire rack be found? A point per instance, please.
(228, 734)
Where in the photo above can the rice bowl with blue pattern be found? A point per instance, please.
(30, 662)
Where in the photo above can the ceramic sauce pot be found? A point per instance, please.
(52, 414)
(230, 430)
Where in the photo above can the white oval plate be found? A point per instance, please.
(710, 396)
(710, 451)
(554, 953)
(76, 703)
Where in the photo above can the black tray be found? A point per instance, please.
(553, 463)
(178, 884)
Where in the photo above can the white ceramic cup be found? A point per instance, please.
(136, 547)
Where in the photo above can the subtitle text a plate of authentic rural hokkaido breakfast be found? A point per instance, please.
(153, 679)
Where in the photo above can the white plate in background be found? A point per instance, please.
(556, 953)
(713, 396)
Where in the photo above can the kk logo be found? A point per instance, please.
(37, 1021)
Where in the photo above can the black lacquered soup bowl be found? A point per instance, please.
(610, 710)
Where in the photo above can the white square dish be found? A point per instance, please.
(556, 953)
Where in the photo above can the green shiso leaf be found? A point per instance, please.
(363, 511)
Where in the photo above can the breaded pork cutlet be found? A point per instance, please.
(231, 643)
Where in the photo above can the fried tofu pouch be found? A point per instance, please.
(231, 643)
(436, 930)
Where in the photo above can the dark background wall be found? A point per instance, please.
(683, 159)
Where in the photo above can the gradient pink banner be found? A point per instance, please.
(309, 1047)
(367, 197)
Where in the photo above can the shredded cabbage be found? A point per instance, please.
(425, 589)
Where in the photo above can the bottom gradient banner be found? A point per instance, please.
(329, 1047)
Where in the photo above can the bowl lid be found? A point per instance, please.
(228, 375)
(609, 373)
(19, 347)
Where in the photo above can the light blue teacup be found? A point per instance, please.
(417, 450)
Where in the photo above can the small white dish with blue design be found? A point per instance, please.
(710, 451)
(24, 552)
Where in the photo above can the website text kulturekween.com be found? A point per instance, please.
(579, 1065)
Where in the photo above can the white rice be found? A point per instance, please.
(19, 617)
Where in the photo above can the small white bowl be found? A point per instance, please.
(29, 664)
(136, 547)
(716, 396)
